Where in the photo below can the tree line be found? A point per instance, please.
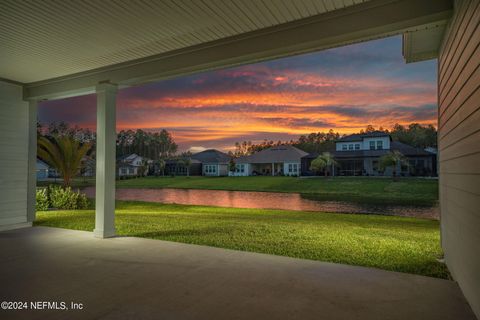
(154, 145)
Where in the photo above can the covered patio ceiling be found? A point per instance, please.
(61, 49)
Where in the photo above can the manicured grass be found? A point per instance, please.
(392, 243)
(405, 191)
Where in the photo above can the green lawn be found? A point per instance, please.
(404, 191)
(391, 243)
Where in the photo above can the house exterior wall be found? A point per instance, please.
(459, 148)
(385, 142)
(239, 172)
(221, 169)
(296, 168)
(127, 171)
(14, 165)
(339, 145)
(364, 144)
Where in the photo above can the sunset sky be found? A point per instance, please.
(343, 89)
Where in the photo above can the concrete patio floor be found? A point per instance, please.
(133, 278)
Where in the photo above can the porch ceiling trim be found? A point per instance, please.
(370, 20)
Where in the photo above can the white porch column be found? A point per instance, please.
(32, 161)
(105, 174)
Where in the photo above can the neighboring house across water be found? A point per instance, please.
(359, 155)
(88, 167)
(214, 162)
(274, 161)
(131, 165)
(42, 170)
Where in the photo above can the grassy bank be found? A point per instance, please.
(405, 191)
(390, 243)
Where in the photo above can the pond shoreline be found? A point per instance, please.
(267, 200)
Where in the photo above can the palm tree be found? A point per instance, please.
(63, 153)
(323, 162)
(392, 159)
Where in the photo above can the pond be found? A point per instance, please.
(266, 200)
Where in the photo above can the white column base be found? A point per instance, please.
(102, 234)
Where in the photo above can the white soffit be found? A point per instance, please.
(424, 43)
(47, 39)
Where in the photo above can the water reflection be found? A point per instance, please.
(266, 200)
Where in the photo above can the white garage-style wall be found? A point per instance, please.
(459, 144)
(16, 168)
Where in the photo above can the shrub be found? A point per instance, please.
(66, 198)
(42, 202)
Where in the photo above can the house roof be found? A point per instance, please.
(127, 156)
(408, 150)
(284, 153)
(361, 136)
(211, 156)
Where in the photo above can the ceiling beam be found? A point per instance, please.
(366, 21)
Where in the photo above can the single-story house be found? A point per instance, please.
(42, 170)
(214, 162)
(131, 165)
(275, 161)
(359, 155)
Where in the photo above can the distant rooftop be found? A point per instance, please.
(284, 153)
(211, 156)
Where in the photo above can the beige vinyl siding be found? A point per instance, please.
(13, 155)
(459, 145)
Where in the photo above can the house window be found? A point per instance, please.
(295, 168)
(344, 147)
(130, 170)
(242, 168)
(210, 169)
(421, 163)
(379, 145)
(350, 146)
(372, 145)
(124, 171)
(375, 165)
(357, 146)
(290, 168)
